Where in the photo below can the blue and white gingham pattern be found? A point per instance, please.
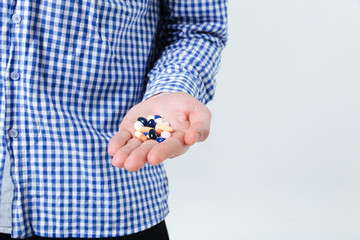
(82, 65)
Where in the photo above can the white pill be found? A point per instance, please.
(138, 125)
(165, 134)
(167, 123)
(150, 117)
(159, 120)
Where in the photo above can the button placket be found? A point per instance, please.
(15, 74)
(15, 18)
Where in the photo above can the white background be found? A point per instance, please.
(283, 158)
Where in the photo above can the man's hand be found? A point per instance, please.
(189, 118)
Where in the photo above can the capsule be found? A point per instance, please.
(146, 134)
(138, 125)
(141, 136)
(152, 134)
(165, 134)
(144, 129)
(151, 123)
(150, 117)
(163, 127)
(142, 120)
(159, 120)
(160, 139)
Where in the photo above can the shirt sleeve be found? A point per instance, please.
(191, 36)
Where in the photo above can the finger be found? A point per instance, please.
(123, 153)
(118, 141)
(138, 157)
(199, 126)
(170, 148)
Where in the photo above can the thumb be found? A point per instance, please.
(199, 129)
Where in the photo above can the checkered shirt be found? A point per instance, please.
(70, 71)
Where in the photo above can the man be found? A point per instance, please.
(75, 77)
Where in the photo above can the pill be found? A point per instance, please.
(138, 125)
(160, 139)
(144, 129)
(152, 134)
(141, 136)
(159, 120)
(165, 134)
(146, 134)
(151, 123)
(163, 127)
(142, 120)
(154, 127)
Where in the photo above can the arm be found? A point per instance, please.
(191, 37)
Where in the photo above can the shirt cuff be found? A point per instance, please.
(169, 81)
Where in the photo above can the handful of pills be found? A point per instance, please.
(154, 127)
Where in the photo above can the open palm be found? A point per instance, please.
(189, 118)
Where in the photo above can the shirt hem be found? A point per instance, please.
(148, 225)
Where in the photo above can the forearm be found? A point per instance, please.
(191, 37)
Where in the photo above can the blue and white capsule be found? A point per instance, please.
(153, 117)
(160, 139)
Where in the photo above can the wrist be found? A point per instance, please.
(157, 95)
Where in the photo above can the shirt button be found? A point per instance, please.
(16, 18)
(13, 133)
(15, 75)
